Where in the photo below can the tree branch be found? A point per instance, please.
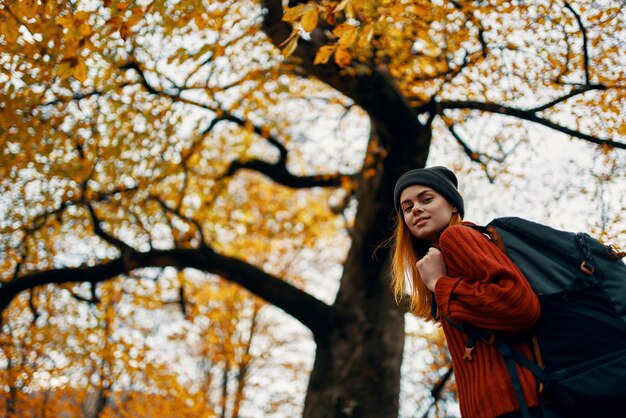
(477, 23)
(223, 115)
(528, 115)
(31, 305)
(91, 300)
(40, 219)
(133, 65)
(572, 93)
(261, 131)
(437, 390)
(473, 155)
(278, 173)
(81, 96)
(119, 244)
(311, 312)
(584, 33)
(176, 212)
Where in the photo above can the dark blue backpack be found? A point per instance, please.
(581, 333)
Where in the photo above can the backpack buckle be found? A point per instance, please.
(469, 347)
(614, 252)
(468, 353)
(587, 268)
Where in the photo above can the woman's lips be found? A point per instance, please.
(421, 222)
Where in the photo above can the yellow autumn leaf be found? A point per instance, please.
(8, 27)
(367, 33)
(71, 48)
(357, 4)
(512, 46)
(323, 54)
(342, 5)
(309, 20)
(86, 29)
(293, 13)
(25, 8)
(125, 31)
(290, 47)
(340, 29)
(72, 67)
(422, 11)
(347, 183)
(122, 5)
(82, 16)
(66, 21)
(137, 15)
(348, 37)
(218, 51)
(80, 71)
(349, 11)
(342, 56)
(65, 68)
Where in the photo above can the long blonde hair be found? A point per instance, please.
(405, 277)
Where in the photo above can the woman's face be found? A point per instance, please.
(426, 213)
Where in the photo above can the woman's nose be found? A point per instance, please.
(417, 209)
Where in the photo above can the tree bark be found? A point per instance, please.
(356, 372)
(357, 366)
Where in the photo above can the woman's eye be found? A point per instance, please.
(427, 199)
(407, 208)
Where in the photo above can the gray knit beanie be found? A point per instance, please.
(438, 178)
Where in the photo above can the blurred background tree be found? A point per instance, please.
(158, 157)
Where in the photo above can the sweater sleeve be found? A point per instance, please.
(483, 287)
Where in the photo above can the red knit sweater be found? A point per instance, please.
(485, 289)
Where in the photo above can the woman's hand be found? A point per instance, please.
(431, 268)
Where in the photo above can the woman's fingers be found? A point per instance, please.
(431, 267)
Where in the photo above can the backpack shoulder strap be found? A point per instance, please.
(492, 233)
(509, 355)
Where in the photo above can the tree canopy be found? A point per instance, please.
(258, 142)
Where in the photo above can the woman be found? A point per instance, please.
(472, 282)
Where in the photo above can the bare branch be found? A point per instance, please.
(259, 130)
(572, 93)
(184, 185)
(81, 96)
(31, 305)
(473, 155)
(40, 220)
(97, 229)
(584, 33)
(176, 212)
(312, 312)
(182, 301)
(133, 65)
(477, 23)
(438, 389)
(278, 173)
(137, 218)
(529, 116)
(566, 54)
(91, 300)
(273, 24)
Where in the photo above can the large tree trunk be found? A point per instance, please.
(357, 369)
(359, 353)
(357, 365)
